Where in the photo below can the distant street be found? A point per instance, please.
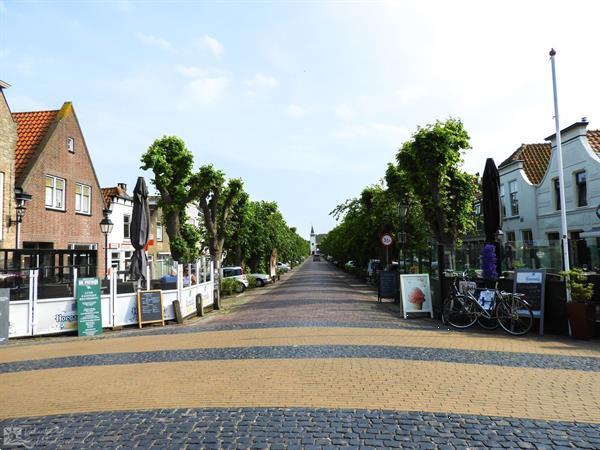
(312, 362)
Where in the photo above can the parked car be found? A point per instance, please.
(261, 279)
(283, 266)
(237, 273)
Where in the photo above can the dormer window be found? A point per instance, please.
(71, 145)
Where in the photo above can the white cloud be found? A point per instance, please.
(294, 110)
(212, 44)
(154, 41)
(344, 112)
(199, 72)
(260, 81)
(205, 90)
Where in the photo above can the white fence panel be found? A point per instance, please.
(125, 312)
(168, 297)
(55, 315)
(19, 318)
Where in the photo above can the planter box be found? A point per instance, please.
(582, 318)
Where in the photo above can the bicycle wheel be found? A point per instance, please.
(488, 323)
(458, 311)
(514, 315)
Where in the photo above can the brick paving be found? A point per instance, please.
(313, 362)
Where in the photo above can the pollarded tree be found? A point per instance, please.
(431, 161)
(172, 163)
(217, 198)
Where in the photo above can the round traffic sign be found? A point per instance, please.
(386, 240)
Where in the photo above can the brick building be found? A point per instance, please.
(52, 163)
(8, 140)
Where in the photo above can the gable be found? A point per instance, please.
(535, 158)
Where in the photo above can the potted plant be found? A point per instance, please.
(580, 310)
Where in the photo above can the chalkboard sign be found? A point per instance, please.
(532, 284)
(150, 307)
(388, 285)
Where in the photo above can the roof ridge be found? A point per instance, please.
(37, 111)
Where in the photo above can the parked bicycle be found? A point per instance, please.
(492, 308)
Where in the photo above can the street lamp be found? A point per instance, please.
(402, 212)
(106, 227)
(20, 199)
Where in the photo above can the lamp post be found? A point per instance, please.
(20, 199)
(106, 227)
(402, 212)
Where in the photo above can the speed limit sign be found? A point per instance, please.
(386, 240)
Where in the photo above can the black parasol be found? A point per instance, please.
(492, 212)
(139, 230)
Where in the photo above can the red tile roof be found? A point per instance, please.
(31, 129)
(109, 193)
(535, 159)
(593, 137)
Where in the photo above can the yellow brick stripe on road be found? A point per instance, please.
(300, 336)
(330, 383)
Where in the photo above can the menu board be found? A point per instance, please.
(89, 308)
(532, 283)
(150, 308)
(388, 285)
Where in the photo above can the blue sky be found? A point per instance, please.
(306, 101)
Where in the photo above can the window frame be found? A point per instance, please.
(556, 191)
(70, 144)
(513, 198)
(159, 237)
(127, 226)
(578, 189)
(53, 206)
(80, 210)
(502, 204)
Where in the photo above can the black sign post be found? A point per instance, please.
(388, 285)
(150, 307)
(532, 284)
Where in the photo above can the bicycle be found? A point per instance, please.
(493, 307)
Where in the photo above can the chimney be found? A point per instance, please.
(122, 186)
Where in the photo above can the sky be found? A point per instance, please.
(306, 101)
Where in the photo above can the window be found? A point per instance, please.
(557, 194)
(71, 145)
(115, 260)
(128, 259)
(126, 220)
(76, 246)
(502, 200)
(478, 217)
(510, 236)
(83, 195)
(527, 236)
(554, 236)
(581, 183)
(55, 192)
(159, 232)
(514, 201)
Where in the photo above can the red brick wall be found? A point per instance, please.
(41, 224)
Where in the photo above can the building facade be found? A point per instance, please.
(120, 204)
(8, 142)
(52, 163)
(531, 201)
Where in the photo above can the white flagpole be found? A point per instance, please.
(561, 178)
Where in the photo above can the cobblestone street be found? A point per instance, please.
(312, 362)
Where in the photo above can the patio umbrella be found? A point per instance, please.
(492, 212)
(139, 230)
